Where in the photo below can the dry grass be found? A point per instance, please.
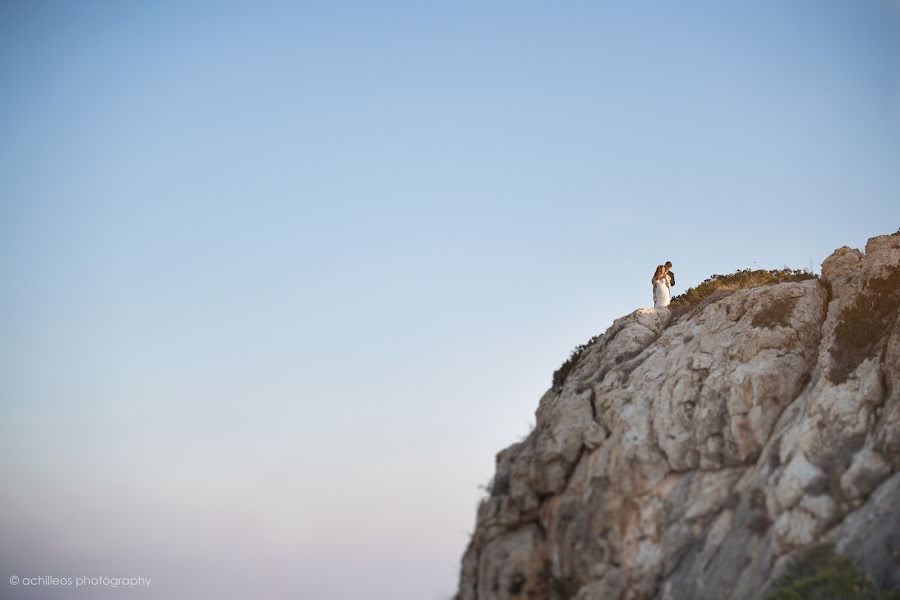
(739, 280)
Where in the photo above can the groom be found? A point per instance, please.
(670, 275)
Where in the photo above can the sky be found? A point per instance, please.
(279, 279)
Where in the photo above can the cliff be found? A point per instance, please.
(697, 455)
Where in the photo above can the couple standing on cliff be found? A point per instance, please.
(662, 280)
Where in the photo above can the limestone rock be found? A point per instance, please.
(872, 535)
(795, 480)
(864, 474)
(509, 567)
(692, 456)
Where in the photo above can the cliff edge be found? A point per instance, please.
(693, 456)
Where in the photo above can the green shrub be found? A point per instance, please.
(560, 375)
(739, 280)
(820, 574)
(864, 325)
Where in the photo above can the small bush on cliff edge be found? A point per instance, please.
(739, 280)
(560, 375)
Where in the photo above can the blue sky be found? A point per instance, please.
(280, 279)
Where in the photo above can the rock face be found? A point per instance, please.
(691, 457)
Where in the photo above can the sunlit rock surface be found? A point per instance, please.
(691, 457)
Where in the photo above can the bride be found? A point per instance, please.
(660, 287)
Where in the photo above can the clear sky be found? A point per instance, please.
(280, 279)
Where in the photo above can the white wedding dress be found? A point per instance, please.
(660, 293)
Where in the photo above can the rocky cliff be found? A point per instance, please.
(692, 456)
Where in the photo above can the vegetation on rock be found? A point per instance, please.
(716, 285)
(776, 314)
(865, 325)
(820, 574)
(713, 288)
(560, 375)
